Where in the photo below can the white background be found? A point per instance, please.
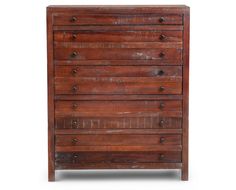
(23, 136)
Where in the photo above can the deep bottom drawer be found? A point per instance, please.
(83, 158)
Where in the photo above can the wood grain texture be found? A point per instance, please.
(118, 87)
(115, 19)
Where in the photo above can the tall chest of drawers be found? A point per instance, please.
(118, 87)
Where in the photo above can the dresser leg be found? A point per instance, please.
(51, 175)
(184, 174)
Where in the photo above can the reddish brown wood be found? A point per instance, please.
(118, 123)
(118, 36)
(115, 19)
(118, 87)
(76, 159)
(117, 140)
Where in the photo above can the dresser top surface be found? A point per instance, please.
(121, 8)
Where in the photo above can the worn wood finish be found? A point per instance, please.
(118, 87)
(115, 19)
(118, 71)
(76, 158)
(118, 123)
(118, 36)
(117, 140)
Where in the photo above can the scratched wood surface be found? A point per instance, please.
(118, 87)
(115, 19)
(118, 122)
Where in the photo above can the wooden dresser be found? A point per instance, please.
(118, 87)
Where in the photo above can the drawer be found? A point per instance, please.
(116, 19)
(116, 157)
(118, 71)
(118, 122)
(118, 108)
(117, 140)
(117, 54)
(118, 36)
(118, 85)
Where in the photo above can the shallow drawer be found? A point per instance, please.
(118, 85)
(116, 19)
(118, 122)
(118, 36)
(121, 108)
(118, 71)
(117, 140)
(117, 54)
(117, 157)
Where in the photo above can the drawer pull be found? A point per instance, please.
(161, 19)
(162, 55)
(75, 106)
(74, 123)
(74, 54)
(74, 71)
(161, 123)
(162, 140)
(74, 89)
(74, 36)
(73, 19)
(162, 37)
(161, 157)
(162, 105)
(75, 140)
(161, 89)
(161, 72)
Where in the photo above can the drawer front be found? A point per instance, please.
(117, 54)
(118, 36)
(117, 140)
(118, 71)
(116, 157)
(121, 108)
(119, 85)
(115, 19)
(118, 122)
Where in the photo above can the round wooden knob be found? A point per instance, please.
(162, 139)
(74, 106)
(73, 19)
(74, 71)
(162, 37)
(161, 123)
(162, 55)
(75, 140)
(74, 36)
(161, 156)
(161, 72)
(74, 89)
(161, 89)
(74, 54)
(162, 105)
(161, 19)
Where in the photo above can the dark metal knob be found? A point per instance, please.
(161, 19)
(74, 122)
(74, 71)
(162, 105)
(73, 19)
(161, 89)
(162, 139)
(74, 36)
(161, 54)
(162, 37)
(74, 106)
(161, 157)
(161, 123)
(74, 89)
(75, 140)
(161, 72)
(74, 54)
